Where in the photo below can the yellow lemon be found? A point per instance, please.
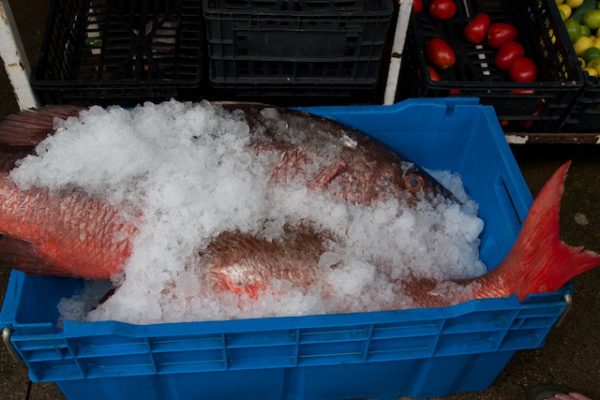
(559, 2)
(565, 11)
(582, 44)
(591, 71)
(574, 3)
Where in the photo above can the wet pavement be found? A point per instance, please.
(571, 355)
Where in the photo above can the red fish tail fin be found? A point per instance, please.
(540, 261)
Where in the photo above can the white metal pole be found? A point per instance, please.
(397, 48)
(15, 59)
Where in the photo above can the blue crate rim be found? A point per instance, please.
(74, 328)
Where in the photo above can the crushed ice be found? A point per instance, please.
(189, 169)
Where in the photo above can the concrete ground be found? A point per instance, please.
(571, 355)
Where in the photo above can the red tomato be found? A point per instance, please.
(476, 30)
(442, 9)
(500, 33)
(508, 53)
(417, 6)
(523, 69)
(439, 53)
(434, 75)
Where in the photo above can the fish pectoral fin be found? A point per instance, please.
(22, 255)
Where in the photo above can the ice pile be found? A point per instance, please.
(191, 171)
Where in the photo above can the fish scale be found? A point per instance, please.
(54, 225)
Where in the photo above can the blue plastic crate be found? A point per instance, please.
(377, 355)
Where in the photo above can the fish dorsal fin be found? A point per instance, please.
(29, 127)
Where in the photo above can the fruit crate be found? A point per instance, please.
(584, 115)
(279, 48)
(535, 106)
(375, 355)
(120, 52)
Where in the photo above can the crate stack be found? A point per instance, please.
(287, 51)
(305, 52)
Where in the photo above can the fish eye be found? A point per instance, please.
(413, 182)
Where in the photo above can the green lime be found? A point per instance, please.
(591, 53)
(592, 19)
(573, 29)
(585, 30)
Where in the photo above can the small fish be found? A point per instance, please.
(74, 234)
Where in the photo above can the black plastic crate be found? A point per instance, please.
(585, 113)
(296, 46)
(120, 52)
(534, 106)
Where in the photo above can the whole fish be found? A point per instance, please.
(69, 233)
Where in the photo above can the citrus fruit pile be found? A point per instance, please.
(582, 20)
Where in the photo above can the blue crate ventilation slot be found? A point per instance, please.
(376, 355)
